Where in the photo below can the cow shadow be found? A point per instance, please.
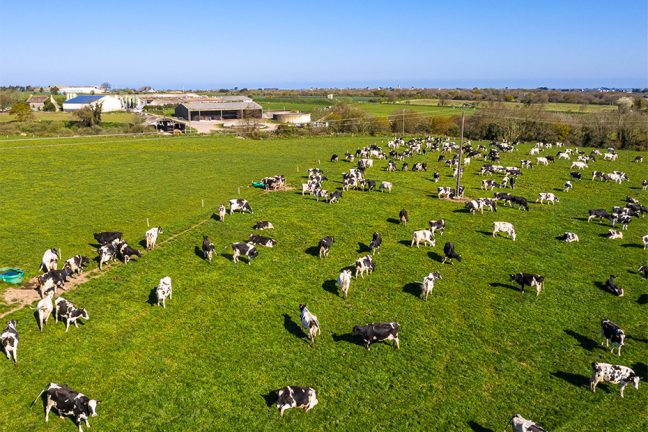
(574, 379)
(504, 285)
(331, 286)
(476, 427)
(487, 233)
(347, 337)
(601, 285)
(558, 189)
(270, 398)
(312, 251)
(638, 339)
(152, 298)
(215, 217)
(198, 252)
(581, 218)
(293, 328)
(643, 299)
(585, 342)
(413, 288)
(362, 247)
(94, 245)
(142, 243)
(603, 235)
(405, 242)
(228, 256)
(394, 221)
(640, 369)
(435, 256)
(632, 245)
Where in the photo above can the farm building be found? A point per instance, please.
(37, 103)
(292, 117)
(167, 125)
(108, 103)
(73, 91)
(225, 110)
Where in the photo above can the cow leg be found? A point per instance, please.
(623, 386)
(67, 324)
(593, 383)
(396, 343)
(48, 406)
(76, 323)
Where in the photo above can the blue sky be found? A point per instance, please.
(295, 44)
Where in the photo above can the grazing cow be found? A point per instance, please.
(76, 264)
(567, 186)
(391, 166)
(262, 241)
(296, 397)
(127, 252)
(65, 309)
(405, 167)
(262, 225)
(68, 402)
(437, 225)
(375, 243)
(610, 156)
(163, 291)
(364, 265)
(428, 284)
(644, 240)
(53, 279)
(321, 193)
(532, 280)
(597, 214)
(489, 184)
(614, 234)
(450, 254)
(426, 236)
(569, 237)
(208, 249)
(579, 165)
(325, 246)
(598, 175)
(520, 424)
(520, 201)
(444, 191)
(475, 206)
(638, 159)
(643, 270)
(344, 281)
(240, 205)
(612, 332)
(547, 196)
(107, 253)
(422, 166)
(385, 185)
(50, 260)
(505, 227)
(222, 211)
(436, 176)
(335, 197)
(644, 184)
(564, 155)
(542, 161)
(334, 158)
(576, 175)
(614, 374)
(611, 287)
(246, 249)
(369, 184)
(44, 309)
(107, 237)
(309, 322)
(151, 237)
(378, 332)
(9, 341)
(403, 216)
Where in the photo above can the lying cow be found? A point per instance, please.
(364, 265)
(614, 234)
(106, 237)
(613, 374)
(309, 322)
(151, 237)
(426, 236)
(76, 264)
(505, 227)
(344, 281)
(403, 216)
(427, 285)
(532, 280)
(240, 205)
(612, 332)
(68, 402)
(69, 312)
(50, 260)
(262, 241)
(296, 397)
(9, 341)
(520, 424)
(246, 249)
(208, 249)
(262, 225)
(569, 237)
(378, 332)
(611, 286)
(547, 196)
(325, 246)
(163, 291)
(375, 243)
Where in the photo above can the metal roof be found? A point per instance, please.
(84, 99)
(225, 106)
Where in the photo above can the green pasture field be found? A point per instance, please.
(558, 107)
(110, 117)
(477, 352)
(387, 109)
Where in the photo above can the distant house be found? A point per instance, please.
(73, 91)
(329, 96)
(108, 103)
(37, 103)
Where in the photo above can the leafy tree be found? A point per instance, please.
(22, 111)
(48, 105)
(54, 90)
(89, 116)
(624, 104)
(106, 86)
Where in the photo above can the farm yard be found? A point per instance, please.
(471, 356)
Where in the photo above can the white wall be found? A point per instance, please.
(108, 104)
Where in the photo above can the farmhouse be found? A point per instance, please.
(224, 109)
(37, 103)
(108, 103)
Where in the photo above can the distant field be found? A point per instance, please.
(386, 109)
(471, 356)
(112, 117)
(559, 107)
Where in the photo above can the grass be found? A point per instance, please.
(474, 354)
(110, 117)
(552, 106)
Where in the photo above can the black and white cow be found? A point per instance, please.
(644, 240)
(9, 341)
(151, 237)
(325, 246)
(263, 225)
(597, 214)
(66, 310)
(450, 254)
(107, 252)
(263, 241)
(164, 290)
(643, 270)
(576, 175)
(386, 186)
(309, 322)
(520, 424)
(644, 184)
(403, 216)
(611, 287)
(364, 265)
(334, 158)
(126, 252)
(612, 332)
(378, 332)
(520, 201)
(475, 206)
(426, 236)
(532, 280)
(344, 281)
(427, 285)
(44, 309)
(50, 260)
(52, 280)
(335, 196)
(598, 175)
(614, 234)
(613, 374)
(208, 249)
(436, 176)
(437, 225)
(240, 205)
(246, 249)
(107, 237)
(321, 193)
(375, 243)
(296, 397)
(569, 237)
(77, 263)
(391, 166)
(505, 227)
(68, 402)
(547, 196)
(567, 186)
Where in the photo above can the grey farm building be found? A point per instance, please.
(219, 110)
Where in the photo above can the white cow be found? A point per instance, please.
(570, 237)
(579, 165)
(614, 374)
(222, 211)
(424, 236)
(151, 237)
(386, 185)
(163, 291)
(547, 196)
(542, 161)
(644, 239)
(50, 260)
(344, 281)
(309, 322)
(614, 234)
(520, 424)
(610, 156)
(505, 227)
(44, 309)
(428, 284)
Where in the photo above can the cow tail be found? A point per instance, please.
(39, 395)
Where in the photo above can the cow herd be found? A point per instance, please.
(112, 246)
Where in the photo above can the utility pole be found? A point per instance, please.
(460, 151)
(403, 126)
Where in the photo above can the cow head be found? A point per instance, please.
(84, 314)
(12, 324)
(92, 406)
(357, 330)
